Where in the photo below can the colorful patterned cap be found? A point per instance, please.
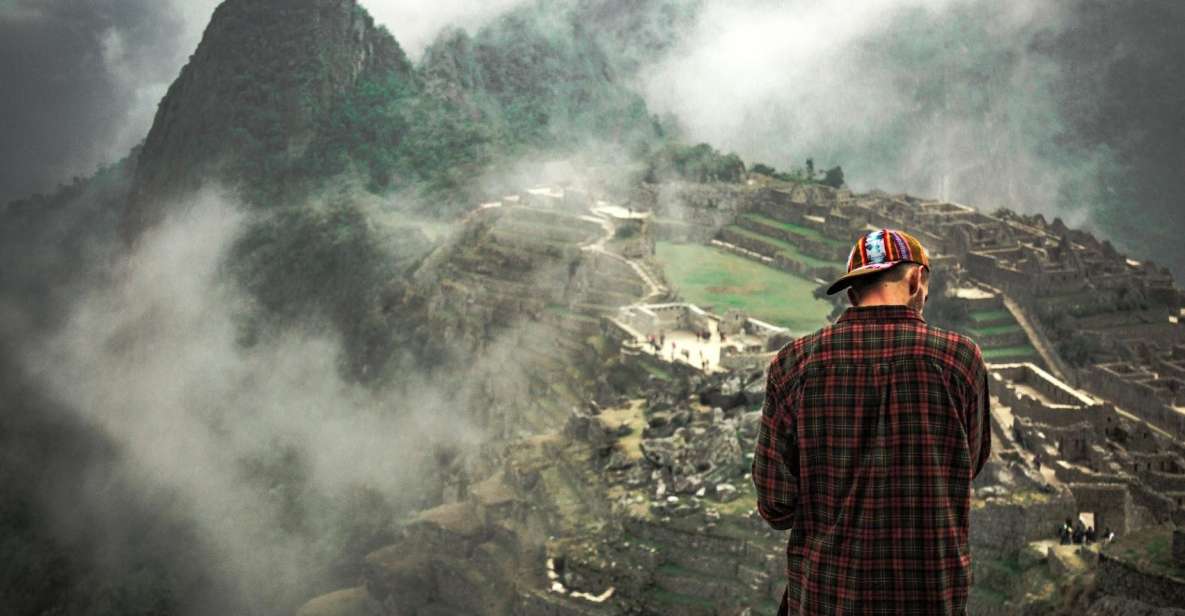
(878, 251)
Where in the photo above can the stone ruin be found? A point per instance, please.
(642, 503)
(684, 333)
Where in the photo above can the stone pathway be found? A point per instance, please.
(603, 214)
(1049, 355)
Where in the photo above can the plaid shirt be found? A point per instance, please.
(871, 433)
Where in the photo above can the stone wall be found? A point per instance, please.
(1164, 482)
(779, 261)
(1117, 577)
(1005, 526)
(1154, 507)
(1111, 504)
(1179, 546)
(1137, 398)
(1074, 408)
(987, 268)
(819, 249)
(1076, 474)
(1045, 383)
(746, 361)
(656, 318)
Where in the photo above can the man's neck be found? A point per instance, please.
(881, 301)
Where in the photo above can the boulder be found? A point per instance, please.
(726, 492)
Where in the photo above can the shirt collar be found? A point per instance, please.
(899, 312)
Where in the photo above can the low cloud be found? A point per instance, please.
(415, 23)
(281, 466)
(941, 98)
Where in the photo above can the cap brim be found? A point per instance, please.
(845, 281)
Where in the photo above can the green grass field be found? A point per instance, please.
(709, 276)
(1016, 352)
(994, 329)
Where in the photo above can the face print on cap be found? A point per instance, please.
(874, 245)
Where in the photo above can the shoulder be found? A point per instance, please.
(788, 362)
(956, 351)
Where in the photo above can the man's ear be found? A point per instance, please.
(915, 279)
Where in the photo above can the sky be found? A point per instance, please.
(1070, 108)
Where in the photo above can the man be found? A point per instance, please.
(1066, 534)
(872, 430)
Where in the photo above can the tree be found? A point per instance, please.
(764, 169)
(834, 177)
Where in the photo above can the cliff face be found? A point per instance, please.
(250, 101)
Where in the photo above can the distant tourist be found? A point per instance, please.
(1079, 532)
(1091, 536)
(1066, 533)
(868, 536)
(1108, 535)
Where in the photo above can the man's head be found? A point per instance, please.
(903, 284)
(886, 267)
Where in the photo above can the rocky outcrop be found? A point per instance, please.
(249, 101)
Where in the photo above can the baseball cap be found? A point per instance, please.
(879, 250)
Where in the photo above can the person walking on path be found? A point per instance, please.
(871, 432)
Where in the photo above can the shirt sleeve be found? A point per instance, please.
(775, 480)
(979, 416)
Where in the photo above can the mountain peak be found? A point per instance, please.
(249, 101)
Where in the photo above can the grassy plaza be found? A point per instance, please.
(711, 277)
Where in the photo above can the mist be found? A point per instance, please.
(890, 91)
(993, 104)
(284, 472)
